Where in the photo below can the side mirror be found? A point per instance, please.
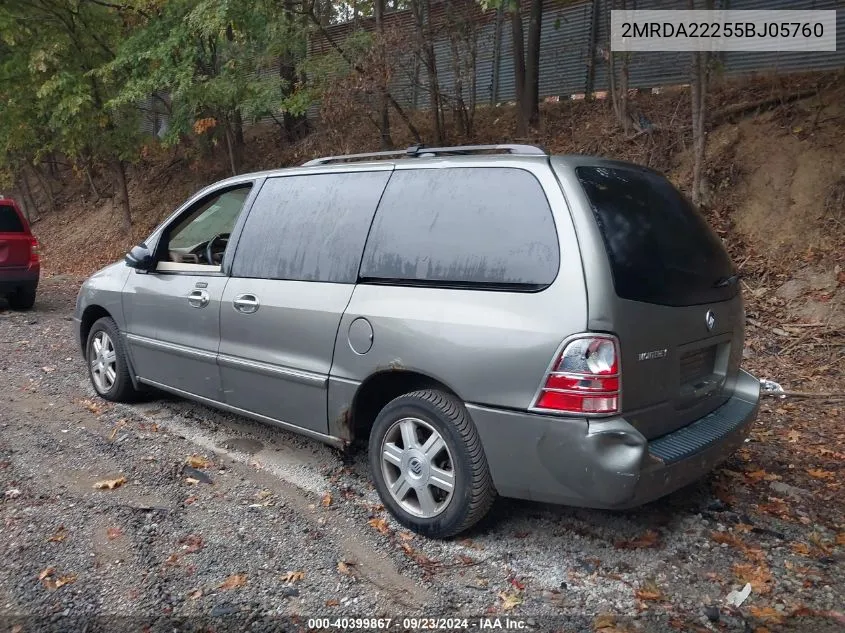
(140, 258)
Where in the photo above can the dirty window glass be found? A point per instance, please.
(463, 227)
(9, 220)
(661, 249)
(309, 228)
(216, 216)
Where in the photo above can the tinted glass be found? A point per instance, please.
(661, 249)
(463, 227)
(9, 220)
(309, 228)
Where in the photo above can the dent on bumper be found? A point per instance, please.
(607, 463)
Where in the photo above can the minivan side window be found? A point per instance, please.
(197, 240)
(9, 220)
(309, 227)
(463, 227)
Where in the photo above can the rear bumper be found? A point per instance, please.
(608, 463)
(12, 279)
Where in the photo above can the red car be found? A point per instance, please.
(20, 269)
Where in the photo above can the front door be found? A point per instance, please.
(292, 277)
(173, 313)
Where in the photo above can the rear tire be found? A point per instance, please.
(23, 299)
(108, 366)
(437, 483)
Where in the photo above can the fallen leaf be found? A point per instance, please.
(516, 583)
(758, 576)
(293, 576)
(818, 473)
(604, 622)
(343, 568)
(380, 525)
(649, 538)
(766, 613)
(840, 539)
(761, 475)
(194, 595)
(510, 600)
(649, 591)
(801, 548)
(406, 536)
(65, 580)
(110, 484)
(234, 581)
(192, 543)
(59, 536)
(47, 572)
(173, 559)
(793, 436)
(728, 538)
(326, 501)
(332, 603)
(466, 560)
(198, 461)
(191, 481)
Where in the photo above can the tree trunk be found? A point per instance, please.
(231, 150)
(421, 11)
(589, 86)
(121, 194)
(238, 126)
(698, 93)
(532, 64)
(618, 83)
(519, 70)
(382, 96)
(698, 96)
(28, 200)
(293, 125)
(45, 187)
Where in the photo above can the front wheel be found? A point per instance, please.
(428, 464)
(108, 367)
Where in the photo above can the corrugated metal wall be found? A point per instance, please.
(565, 52)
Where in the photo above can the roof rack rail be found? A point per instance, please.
(416, 151)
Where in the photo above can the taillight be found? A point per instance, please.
(33, 251)
(584, 378)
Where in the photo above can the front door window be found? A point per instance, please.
(198, 240)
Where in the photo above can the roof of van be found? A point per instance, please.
(471, 154)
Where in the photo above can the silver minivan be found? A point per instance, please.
(488, 319)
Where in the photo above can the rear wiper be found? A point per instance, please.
(722, 282)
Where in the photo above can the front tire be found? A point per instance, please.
(428, 464)
(108, 367)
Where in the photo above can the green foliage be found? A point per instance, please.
(211, 57)
(50, 97)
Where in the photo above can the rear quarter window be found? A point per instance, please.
(463, 227)
(10, 222)
(660, 248)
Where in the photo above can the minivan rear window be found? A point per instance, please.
(463, 227)
(9, 220)
(661, 249)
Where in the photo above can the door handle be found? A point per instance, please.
(247, 304)
(198, 298)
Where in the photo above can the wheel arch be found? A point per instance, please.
(91, 315)
(378, 389)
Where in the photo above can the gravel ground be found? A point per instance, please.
(279, 529)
